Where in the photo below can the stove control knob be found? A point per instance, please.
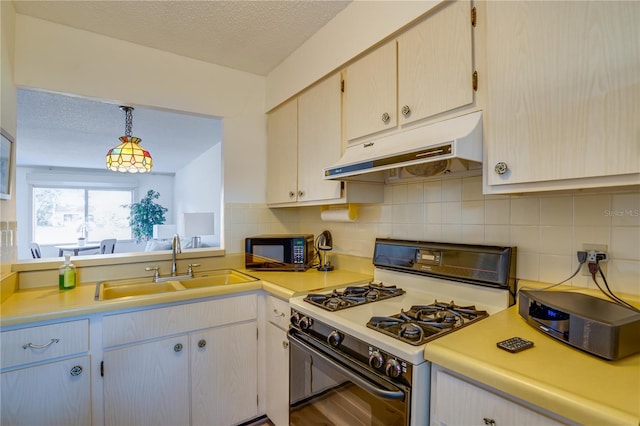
(376, 360)
(335, 338)
(305, 322)
(295, 319)
(393, 368)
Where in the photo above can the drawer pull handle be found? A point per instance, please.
(275, 312)
(489, 422)
(32, 346)
(76, 370)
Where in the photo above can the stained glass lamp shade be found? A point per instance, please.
(129, 156)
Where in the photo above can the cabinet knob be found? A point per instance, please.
(292, 194)
(177, 347)
(76, 370)
(285, 344)
(300, 193)
(406, 111)
(385, 117)
(489, 422)
(202, 343)
(501, 168)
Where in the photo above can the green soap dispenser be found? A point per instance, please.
(67, 274)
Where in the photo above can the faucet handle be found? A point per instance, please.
(191, 266)
(156, 274)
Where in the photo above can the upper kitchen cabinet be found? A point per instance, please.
(304, 136)
(370, 93)
(282, 154)
(563, 95)
(435, 64)
(427, 70)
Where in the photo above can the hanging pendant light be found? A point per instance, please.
(129, 156)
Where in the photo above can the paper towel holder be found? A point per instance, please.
(346, 213)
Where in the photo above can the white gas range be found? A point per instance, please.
(359, 352)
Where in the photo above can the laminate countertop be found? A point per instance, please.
(48, 303)
(551, 375)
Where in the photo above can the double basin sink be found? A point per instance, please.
(117, 289)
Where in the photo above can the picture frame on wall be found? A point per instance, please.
(6, 155)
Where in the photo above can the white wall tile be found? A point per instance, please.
(625, 243)
(525, 211)
(452, 233)
(591, 210)
(554, 269)
(472, 188)
(556, 240)
(623, 276)
(415, 193)
(452, 189)
(556, 210)
(399, 194)
(497, 212)
(452, 212)
(625, 209)
(528, 266)
(433, 192)
(473, 234)
(433, 213)
(526, 238)
(497, 235)
(472, 212)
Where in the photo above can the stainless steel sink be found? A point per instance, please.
(217, 278)
(117, 289)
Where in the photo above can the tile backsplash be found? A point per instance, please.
(547, 228)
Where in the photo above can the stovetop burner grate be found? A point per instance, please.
(353, 296)
(423, 323)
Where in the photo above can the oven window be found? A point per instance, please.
(320, 394)
(272, 252)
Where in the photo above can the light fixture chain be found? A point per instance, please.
(128, 122)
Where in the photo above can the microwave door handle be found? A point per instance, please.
(354, 377)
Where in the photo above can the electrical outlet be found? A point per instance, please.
(596, 248)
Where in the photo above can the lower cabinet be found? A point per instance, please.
(195, 363)
(480, 405)
(53, 393)
(277, 354)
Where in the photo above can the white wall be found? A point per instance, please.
(8, 99)
(197, 190)
(58, 58)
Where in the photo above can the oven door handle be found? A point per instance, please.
(354, 377)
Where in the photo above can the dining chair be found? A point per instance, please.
(108, 246)
(35, 250)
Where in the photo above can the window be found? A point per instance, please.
(62, 215)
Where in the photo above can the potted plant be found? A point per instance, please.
(145, 214)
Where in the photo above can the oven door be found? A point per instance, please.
(330, 389)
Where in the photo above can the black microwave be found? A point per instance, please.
(279, 252)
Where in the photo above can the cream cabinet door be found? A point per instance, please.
(277, 375)
(52, 393)
(224, 368)
(319, 139)
(435, 64)
(563, 93)
(148, 383)
(370, 93)
(481, 407)
(282, 154)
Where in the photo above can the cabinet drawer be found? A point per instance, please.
(44, 342)
(278, 312)
(120, 329)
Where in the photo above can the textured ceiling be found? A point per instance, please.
(253, 36)
(64, 131)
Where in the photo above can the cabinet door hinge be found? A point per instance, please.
(474, 16)
(474, 81)
(257, 334)
(101, 368)
(342, 86)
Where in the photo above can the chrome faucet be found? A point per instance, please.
(175, 248)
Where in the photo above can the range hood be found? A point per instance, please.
(447, 144)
